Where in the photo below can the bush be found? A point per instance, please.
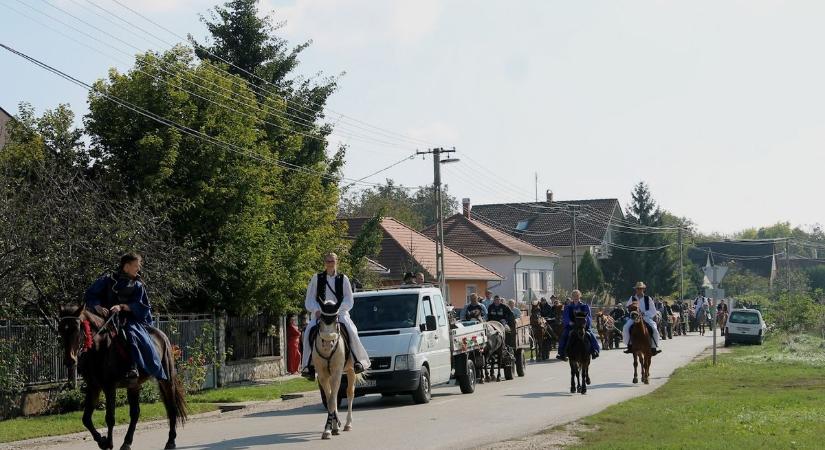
(11, 377)
(150, 393)
(794, 313)
(68, 401)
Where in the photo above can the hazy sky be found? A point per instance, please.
(718, 105)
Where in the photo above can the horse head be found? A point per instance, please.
(70, 332)
(580, 320)
(636, 316)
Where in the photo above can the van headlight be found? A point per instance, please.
(403, 362)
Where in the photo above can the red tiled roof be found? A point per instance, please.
(474, 238)
(402, 246)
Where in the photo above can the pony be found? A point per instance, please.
(605, 326)
(579, 355)
(102, 362)
(332, 359)
(640, 341)
(494, 350)
(541, 335)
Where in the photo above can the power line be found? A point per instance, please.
(166, 122)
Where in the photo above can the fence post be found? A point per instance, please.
(282, 351)
(220, 339)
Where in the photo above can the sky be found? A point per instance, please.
(718, 105)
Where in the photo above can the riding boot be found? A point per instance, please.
(308, 373)
(629, 349)
(561, 357)
(358, 368)
(132, 373)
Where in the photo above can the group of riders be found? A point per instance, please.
(122, 294)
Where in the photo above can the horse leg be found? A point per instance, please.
(573, 374)
(350, 398)
(585, 377)
(587, 373)
(635, 367)
(133, 395)
(646, 369)
(336, 387)
(111, 397)
(92, 397)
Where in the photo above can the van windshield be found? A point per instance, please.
(383, 312)
(747, 318)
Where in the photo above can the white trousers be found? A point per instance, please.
(357, 347)
(629, 323)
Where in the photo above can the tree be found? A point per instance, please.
(643, 255)
(414, 210)
(366, 245)
(590, 275)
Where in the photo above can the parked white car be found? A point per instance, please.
(745, 326)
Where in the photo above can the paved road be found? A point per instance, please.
(497, 411)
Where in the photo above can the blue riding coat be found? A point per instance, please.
(569, 317)
(111, 290)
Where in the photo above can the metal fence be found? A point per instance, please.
(252, 337)
(38, 348)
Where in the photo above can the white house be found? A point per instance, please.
(528, 271)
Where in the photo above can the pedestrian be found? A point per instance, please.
(293, 339)
(516, 311)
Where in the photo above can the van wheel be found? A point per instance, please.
(467, 381)
(423, 393)
(521, 363)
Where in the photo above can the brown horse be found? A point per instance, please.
(721, 320)
(640, 342)
(102, 362)
(605, 326)
(579, 355)
(556, 326)
(541, 336)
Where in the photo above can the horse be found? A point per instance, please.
(494, 350)
(640, 341)
(721, 320)
(541, 336)
(556, 325)
(605, 325)
(103, 363)
(332, 359)
(579, 355)
(660, 325)
(704, 320)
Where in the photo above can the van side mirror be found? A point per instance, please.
(429, 324)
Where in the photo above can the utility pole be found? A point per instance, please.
(788, 263)
(439, 213)
(537, 187)
(573, 251)
(681, 267)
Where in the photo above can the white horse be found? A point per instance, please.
(330, 356)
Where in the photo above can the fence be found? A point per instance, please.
(252, 337)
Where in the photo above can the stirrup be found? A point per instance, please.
(629, 349)
(132, 374)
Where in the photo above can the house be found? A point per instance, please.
(549, 226)
(528, 271)
(5, 117)
(405, 250)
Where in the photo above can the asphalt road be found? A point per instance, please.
(495, 412)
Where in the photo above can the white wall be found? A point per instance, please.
(564, 271)
(512, 269)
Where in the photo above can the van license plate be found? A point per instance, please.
(366, 383)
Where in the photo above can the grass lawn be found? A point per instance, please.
(769, 396)
(57, 424)
(271, 391)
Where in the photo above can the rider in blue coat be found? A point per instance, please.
(122, 292)
(568, 316)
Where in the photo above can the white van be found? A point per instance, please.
(745, 325)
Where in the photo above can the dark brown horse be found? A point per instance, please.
(605, 326)
(640, 342)
(541, 335)
(103, 362)
(556, 325)
(579, 355)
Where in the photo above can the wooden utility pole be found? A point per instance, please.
(573, 250)
(439, 212)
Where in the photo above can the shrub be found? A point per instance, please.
(68, 401)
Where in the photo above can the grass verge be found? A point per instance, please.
(58, 424)
(768, 396)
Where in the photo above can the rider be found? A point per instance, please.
(546, 308)
(648, 311)
(474, 305)
(332, 285)
(122, 292)
(722, 307)
(500, 312)
(618, 312)
(569, 318)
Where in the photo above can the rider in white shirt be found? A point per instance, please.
(648, 310)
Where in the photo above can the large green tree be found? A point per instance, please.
(642, 255)
(590, 275)
(415, 209)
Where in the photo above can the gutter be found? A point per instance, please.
(515, 277)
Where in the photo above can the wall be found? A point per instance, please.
(254, 369)
(564, 268)
(511, 267)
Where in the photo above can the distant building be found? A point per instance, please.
(5, 117)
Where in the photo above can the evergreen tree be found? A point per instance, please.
(590, 275)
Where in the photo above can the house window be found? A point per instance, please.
(543, 281)
(522, 225)
(471, 289)
(525, 280)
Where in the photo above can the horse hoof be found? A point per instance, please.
(584, 391)
(572, 390)
(348, 428)
(635, 380)
(170, 445)
(125, 447)
(326, 435)
(335, 432)
(647, 382)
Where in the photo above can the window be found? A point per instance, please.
(543, 281)
(470, 289)
(522, 225)
(384, 312)
(525, 281)
(440, 311)
(428, 308)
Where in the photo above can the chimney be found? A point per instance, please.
(549, 196)
(465, 203)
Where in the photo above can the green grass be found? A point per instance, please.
(769, 396)
(57, 424)
(271, 391)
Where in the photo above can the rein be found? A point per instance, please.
(328, 359)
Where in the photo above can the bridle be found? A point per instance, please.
(337, 340)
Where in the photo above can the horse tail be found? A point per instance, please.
(171, 390)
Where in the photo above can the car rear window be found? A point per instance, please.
(747, 318)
